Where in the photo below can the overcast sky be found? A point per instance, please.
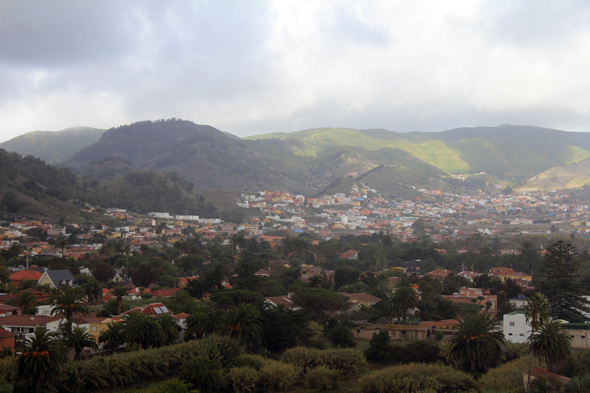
(251, 67)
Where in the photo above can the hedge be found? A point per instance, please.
(417, 377)
(126, 369)
(346, 361)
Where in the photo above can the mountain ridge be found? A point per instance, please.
(53, 147)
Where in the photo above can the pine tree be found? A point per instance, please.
(559, 282)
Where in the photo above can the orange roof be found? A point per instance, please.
(539, 372)
(26, 275)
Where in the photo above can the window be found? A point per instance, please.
(510, 334)
(521, 334)
(511, 323)
(583, 336)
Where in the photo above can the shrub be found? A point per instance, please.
(242, 377)
(174, 386)
(580, 384)
(322, 378)
(303, 358)
(254, 361)
(514, 351)
(438, 336)
(278, 376)
(7, 367)
(5, 386)
(347, 361)
(125, 369)
(417, 377)
(508, 376)
(341, 337)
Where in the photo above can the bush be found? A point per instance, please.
(514, 351)
(417, 377)
(341, 337)
(125, 369)
(508, 376)
(174, 386)
(254, 361)
(278, 376)
(5, 386)
(242, 377)
(580, 384)
(381, 351)
(322, 378)
(347, 361)
(303, 358)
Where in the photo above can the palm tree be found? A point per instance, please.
(244, 324)
(143, 330)
(202, 373)
(69, 303)
(119, 292)
(25, 299)
(537, 314)
(78, 339)
(93, 290)
(405, 298)
(477, 342)
(42, 358)
(552, 344)
(113, 336)
(197, 325)
(62, 242)
(169, 327)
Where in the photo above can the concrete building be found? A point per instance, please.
(516, 330)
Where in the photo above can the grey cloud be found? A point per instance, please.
(56, 33)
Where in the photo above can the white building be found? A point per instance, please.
(516, 329)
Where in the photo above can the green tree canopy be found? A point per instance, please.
(559, 281)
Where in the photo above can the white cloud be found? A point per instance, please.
(254, 67)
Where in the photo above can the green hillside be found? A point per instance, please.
(514, 153)
(53, 146)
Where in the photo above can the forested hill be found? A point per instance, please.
(53, 147)
(308, 161)
(206, 156)
(30, 187)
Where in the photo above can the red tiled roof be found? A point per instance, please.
(27, 320)
(6, 334)
(539, 372)
(166, 292)
(26, 275)
(85, 320)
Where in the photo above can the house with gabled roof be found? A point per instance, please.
(286, 301)
(361, 298)
(57, 279)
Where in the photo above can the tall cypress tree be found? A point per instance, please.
(559, 282)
